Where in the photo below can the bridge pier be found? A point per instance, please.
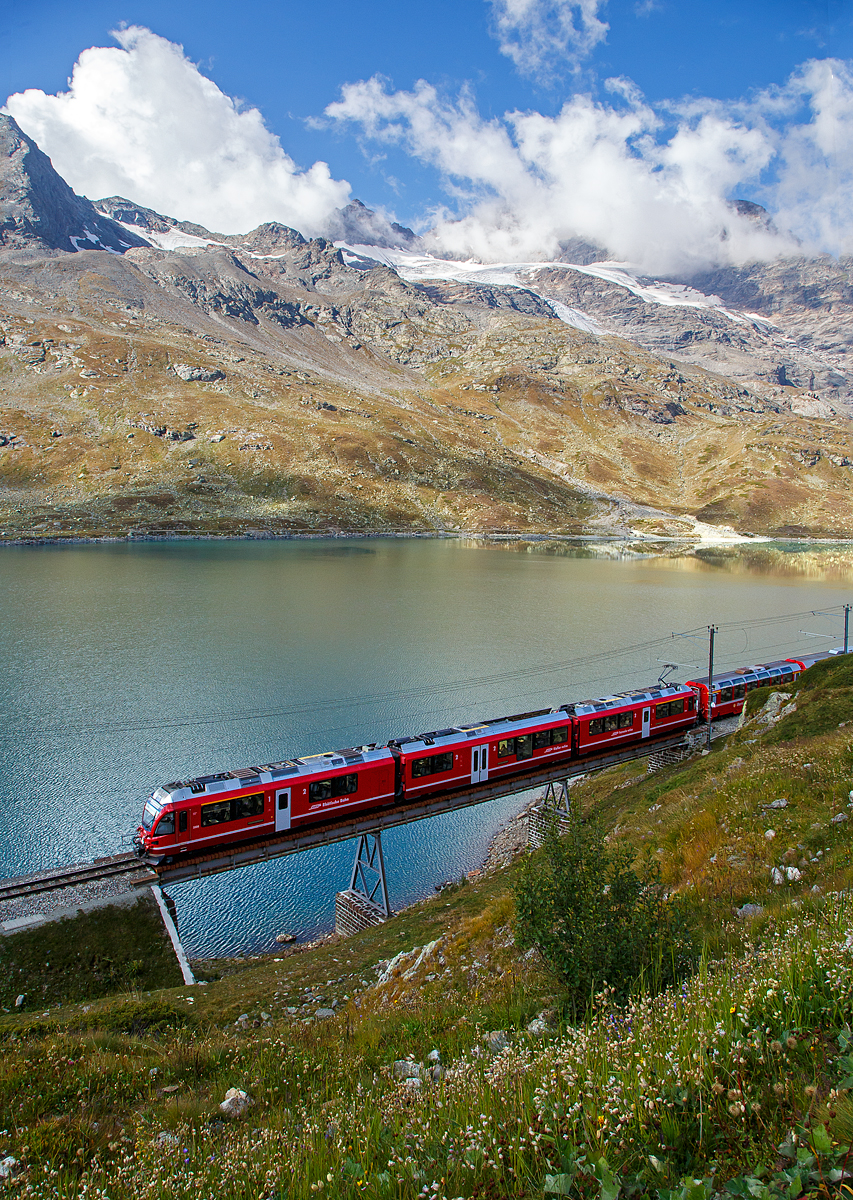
(365, 902)
(556, 806)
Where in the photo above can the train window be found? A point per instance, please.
(216, 814)
(691, 704)
(327, 789)
(671, 709)
(724, 695)
(738, 691)
(611, 723)
(596, 726)
(166, 824)
(434, 765)
(626, 720)
(249, 806)
(524, 746)
(183, 818)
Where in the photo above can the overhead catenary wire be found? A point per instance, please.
(188, 720)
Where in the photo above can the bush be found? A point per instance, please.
(595, 920)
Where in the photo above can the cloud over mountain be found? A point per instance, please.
(652, 183)
(140, 120)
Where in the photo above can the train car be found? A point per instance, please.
(235, 806)
(732, 687)
(468, 754)
(613, 721)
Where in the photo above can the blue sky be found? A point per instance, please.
(290, 61)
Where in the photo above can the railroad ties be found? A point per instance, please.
(63, 889)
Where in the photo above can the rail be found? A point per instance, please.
(64, 877)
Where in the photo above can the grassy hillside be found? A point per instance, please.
(735, 1083)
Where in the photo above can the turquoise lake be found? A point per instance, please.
(124, 666)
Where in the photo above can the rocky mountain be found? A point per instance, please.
(796, 338)
(170, 379)
(39, 211)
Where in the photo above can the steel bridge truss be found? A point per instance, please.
(368, 872)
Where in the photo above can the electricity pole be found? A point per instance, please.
(712, 629)
(846, 625)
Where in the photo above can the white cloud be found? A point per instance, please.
(540, 36)
(812, 121)
(141, 121)
(651, 183)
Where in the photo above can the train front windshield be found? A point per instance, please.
(150, 814)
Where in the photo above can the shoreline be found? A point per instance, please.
(639, 539)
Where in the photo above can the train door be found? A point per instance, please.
(647, 722)
(182, 832)
(282, 810)
(479, 764)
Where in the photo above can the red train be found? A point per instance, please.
(233, 806)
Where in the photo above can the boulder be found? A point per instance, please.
(236, 1102)
(496, 1041)
(191, 374)
(324, 1014)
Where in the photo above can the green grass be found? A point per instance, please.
(95, 954)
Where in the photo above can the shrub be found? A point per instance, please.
(595, 920)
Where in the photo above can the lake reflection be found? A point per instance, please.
(124, 666)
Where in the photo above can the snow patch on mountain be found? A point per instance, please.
(418, 268)
(173, 239)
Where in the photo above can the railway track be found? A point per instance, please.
(65, 877)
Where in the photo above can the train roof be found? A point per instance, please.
(245, 777)
(456, 734)
(809, 660)
(771, 670)
(623, 699)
